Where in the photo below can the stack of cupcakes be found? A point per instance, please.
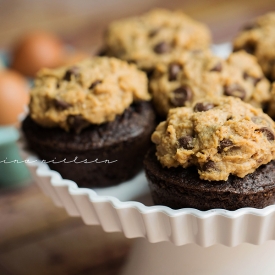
(215, 147)
(92, 121)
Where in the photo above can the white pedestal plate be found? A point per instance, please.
(216, 242)
(165, 258)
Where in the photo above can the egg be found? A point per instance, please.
(13, 96)
(37, 50)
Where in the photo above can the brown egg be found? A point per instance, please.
(13, 96)
(37, 50)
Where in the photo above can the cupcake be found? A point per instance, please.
(91, 122)
(215, 157)
(192, 76)
(155, 37)
(258, 38)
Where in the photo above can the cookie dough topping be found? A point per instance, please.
(258, 38)
(221, 136)
(271, 104)
(191, 76)
(91, 92)
(154, 37)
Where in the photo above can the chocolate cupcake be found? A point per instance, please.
(91, 122)
(215, 154)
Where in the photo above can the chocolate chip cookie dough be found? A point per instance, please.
(195, 75)
(271, 105)
(258, 38)
(220, 137)
(155, 37)
(91, 92)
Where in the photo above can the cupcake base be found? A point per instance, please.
(180, 188)
(115, 150)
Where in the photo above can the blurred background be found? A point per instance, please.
(83, 22)
(35, 236)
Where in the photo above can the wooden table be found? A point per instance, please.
(37, 238)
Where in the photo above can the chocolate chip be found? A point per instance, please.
(149, 73)
(203, 107)
(77, 123)
(270, 73)
(94, 84)
(224, 143)
(181, 95)
(131, 61)
(217, 68)
(267, 132)
(235, 90)
(210, 165)
(153, 32)
(250, 26)
(102, 52)
(61, 104)
(72, 71)
(251, 78)
(174, 69)
(57, 85)
(250, 47)
(272, 62)
(186, 142)
(162, 47)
